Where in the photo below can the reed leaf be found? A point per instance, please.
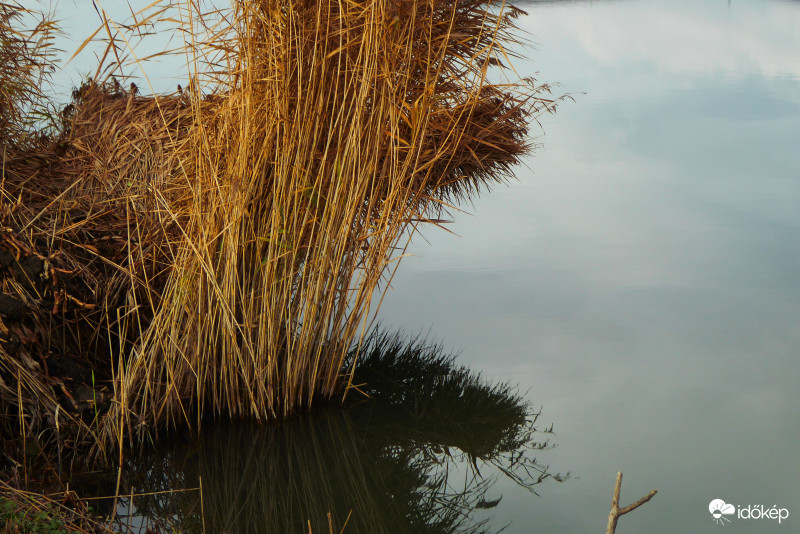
(220, 248)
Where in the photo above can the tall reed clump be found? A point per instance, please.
(219, 249)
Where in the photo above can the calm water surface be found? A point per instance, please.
(642, 281)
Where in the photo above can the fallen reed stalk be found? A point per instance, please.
(24, 511)
(218, 249)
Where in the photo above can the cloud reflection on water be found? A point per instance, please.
(643, 279)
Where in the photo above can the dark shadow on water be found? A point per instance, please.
(415, 450)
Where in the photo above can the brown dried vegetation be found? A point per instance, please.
(218, 249)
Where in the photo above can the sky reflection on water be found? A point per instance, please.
(643, 279)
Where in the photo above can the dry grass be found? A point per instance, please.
(24, 511)
(218, 249)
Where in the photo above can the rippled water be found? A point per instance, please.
(642, 280)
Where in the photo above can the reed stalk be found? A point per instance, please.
(220, 248)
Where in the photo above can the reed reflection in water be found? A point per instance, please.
(416, 449)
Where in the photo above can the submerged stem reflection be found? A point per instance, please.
(415, 449)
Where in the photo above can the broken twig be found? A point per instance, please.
(616, 511)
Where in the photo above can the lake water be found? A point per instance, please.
(421, 455)
(640, 283)
(642, 280)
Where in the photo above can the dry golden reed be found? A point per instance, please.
(219, 249)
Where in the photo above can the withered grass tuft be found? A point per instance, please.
(218, 249)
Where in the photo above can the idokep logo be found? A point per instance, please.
(720, 509)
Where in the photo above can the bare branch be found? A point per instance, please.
(616, 511)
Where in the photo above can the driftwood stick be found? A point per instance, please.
(616, 511)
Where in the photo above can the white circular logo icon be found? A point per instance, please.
(719, 509)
